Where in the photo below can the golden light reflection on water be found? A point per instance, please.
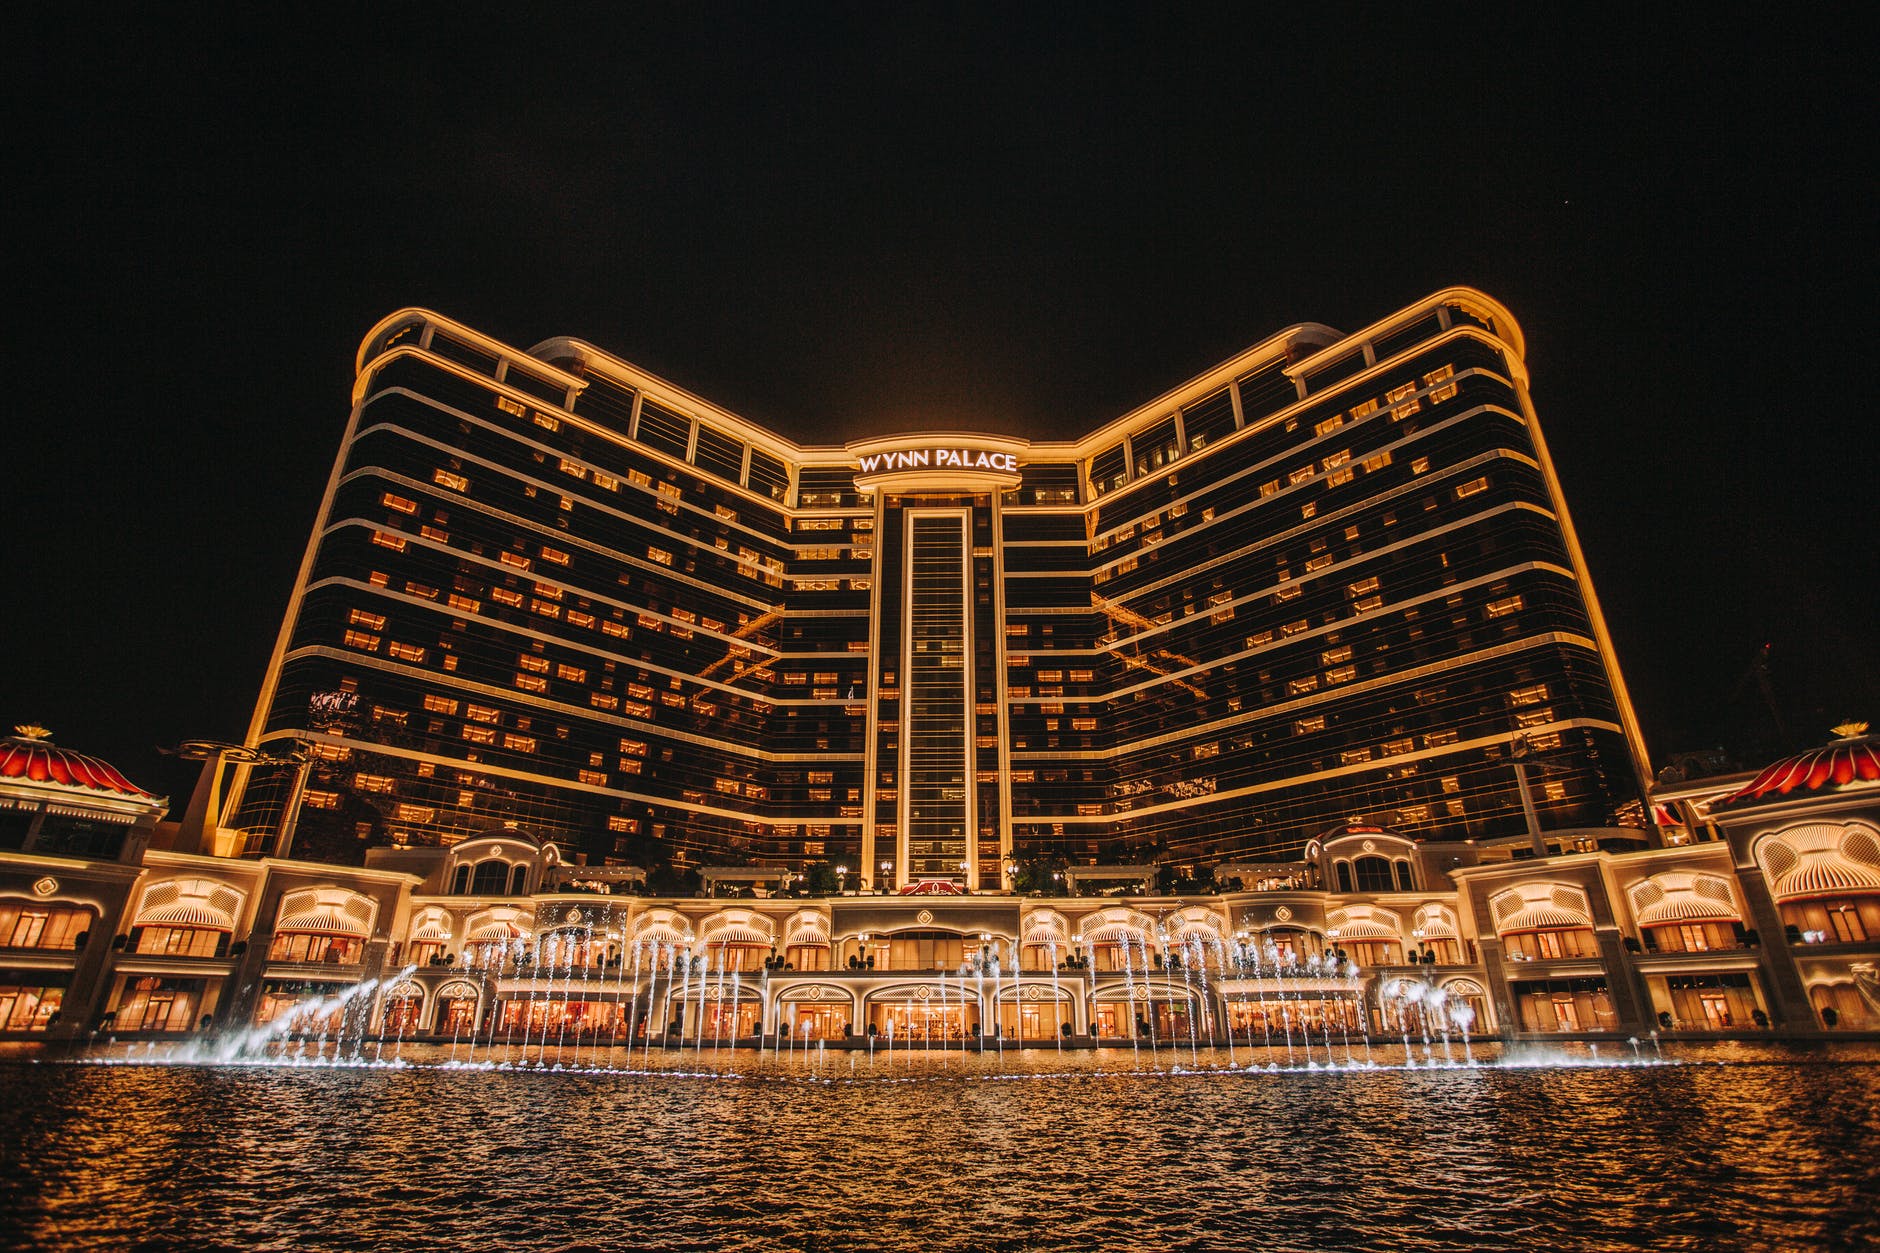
(1030, 1151)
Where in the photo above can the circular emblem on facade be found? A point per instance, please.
(573, 915)
(45, 886)
(1369, 846)
(813, 994)
(924, 916)
(1283, 913)
(923, 992)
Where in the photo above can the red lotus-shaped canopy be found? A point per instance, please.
(30, 757)
(1852, 760)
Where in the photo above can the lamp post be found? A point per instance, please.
(842, 878)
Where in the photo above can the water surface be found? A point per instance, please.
(1734, 1148)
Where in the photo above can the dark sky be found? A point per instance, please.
(838, 220)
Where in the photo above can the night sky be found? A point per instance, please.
(843, 220)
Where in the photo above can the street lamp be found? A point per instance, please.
(842, 877)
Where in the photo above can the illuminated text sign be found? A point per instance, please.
(938, 459)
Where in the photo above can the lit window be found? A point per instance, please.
(610, 627)
(482, 713)
(515, 559)
(1332, 656)
(505, 596)
(1402, 401)
(359, 617)
(1353, 756)
(555, 555)
(532, 683)
(606, 481)
(573, 467)
(1362, 586)
(1305, 726)
(1329, 425)
(405, 652)
(1342, 674)
(359, 639)
(601, 700)
(1441, 384)
(1377, 461)
(574, 674)
(1472, 487)
(1528, 695)
(479, 735)
(1505, 606)
(415, 813)
(519, 743)
(577, 618)
(1299, 687)
(547, 421)
(534, 662)
(1363, 409)
(1436, 739)
(1367, 604)
(394, 542)
(515, 407)
(371, 783)
(420, 590)
(399, 503)
(639, 478)
(1301, 474)
(659, 555)
(456, 482)
(440, 704)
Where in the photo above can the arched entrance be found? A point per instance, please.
(932, 1014)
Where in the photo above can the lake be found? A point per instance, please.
(1729, 1147)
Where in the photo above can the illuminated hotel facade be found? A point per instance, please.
(1332, 581)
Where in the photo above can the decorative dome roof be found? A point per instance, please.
(1855, 759)
(28, 755)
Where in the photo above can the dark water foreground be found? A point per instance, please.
(1735, 1148)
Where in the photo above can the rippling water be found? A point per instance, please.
(1732, 1149)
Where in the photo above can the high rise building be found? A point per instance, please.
(1330, 581)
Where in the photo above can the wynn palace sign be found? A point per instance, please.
(937, 462)
(944, 458)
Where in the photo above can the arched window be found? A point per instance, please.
(490, 877)
(460, 882)
(518, 880)
(1406, 881)
(35, 924)
(1373, 874)
(1344, 876)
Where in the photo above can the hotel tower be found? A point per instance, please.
(1330, 581)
